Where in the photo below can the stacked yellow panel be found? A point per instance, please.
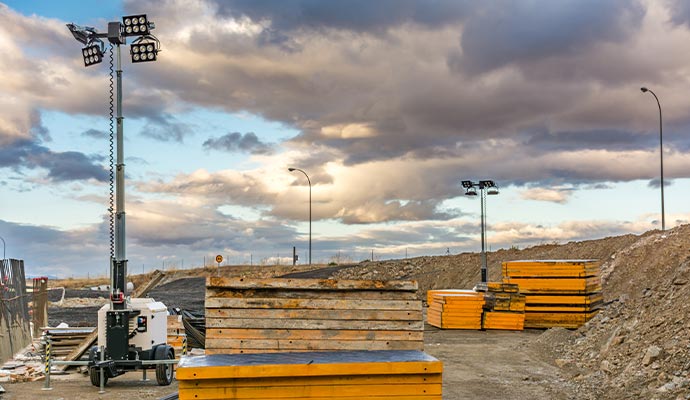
(563, 293)
(504, 308)
(455, 309)
(373, 375)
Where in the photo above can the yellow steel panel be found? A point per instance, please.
(214, 367)
(558, 285)
(550, 320)
(564, 299)
(308, 391)
(190, 396)
(314, 381)
(431, 293)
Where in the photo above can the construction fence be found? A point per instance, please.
(14, 309)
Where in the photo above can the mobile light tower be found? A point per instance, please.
(487, 187)
(132, 333)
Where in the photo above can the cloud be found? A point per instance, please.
(61, 166)
(516, 32)
(238, 142)
(559, 196)
(95, 133)
(353, 15)
(166, 128)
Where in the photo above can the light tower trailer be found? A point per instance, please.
(132, 333)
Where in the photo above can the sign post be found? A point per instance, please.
(219, 259)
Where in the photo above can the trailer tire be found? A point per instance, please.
(95, 375)
(164, 372)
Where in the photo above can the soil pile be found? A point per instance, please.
(638, 346)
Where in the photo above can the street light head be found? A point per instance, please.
(291, 169)
(467, 184)
(644, 89)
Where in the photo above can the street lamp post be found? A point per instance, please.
(661, 157)
(4, 245)
(485, 187)
(309, 181)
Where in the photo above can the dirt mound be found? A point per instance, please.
(639, 345)
(463, 270)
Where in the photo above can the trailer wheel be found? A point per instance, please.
(95, 375)
(164, 372)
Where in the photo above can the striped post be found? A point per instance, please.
(184, 345)
(46, 386)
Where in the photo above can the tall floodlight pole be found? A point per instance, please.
(309, 181)
(144, 48)
(661, 156)
(4, 245)
(485, 187)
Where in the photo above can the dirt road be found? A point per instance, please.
(477, 365)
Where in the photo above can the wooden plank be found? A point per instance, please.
(430, 293)
(312, 334)
(312, 324)
(309, 284)
(393, 379)
(313, 345)
(311, 294)
(314, 304)
(297, 313)
(347, 363)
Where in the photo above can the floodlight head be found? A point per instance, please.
(136, 25)
(471, 192)
(486, 184)
(644, 89)
(144, 49)
(492, 191)
(467, 184)
(291, 169)
(93, 54)
(82, 34)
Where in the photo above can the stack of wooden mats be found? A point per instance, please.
(504, 307)
(455, 309)
(292, 315)
(372, 375)
(563, 293)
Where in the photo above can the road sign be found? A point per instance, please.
(219, 259)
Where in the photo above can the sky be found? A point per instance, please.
(386, 105)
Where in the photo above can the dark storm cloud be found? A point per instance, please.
(656, 183)
(508, 32)
(166, 128)
(680, 12)
(590, 140)
(238, 142)
(354, 15)
(95, 133)
(61, 166)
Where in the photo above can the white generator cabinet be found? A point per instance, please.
(147, 329)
